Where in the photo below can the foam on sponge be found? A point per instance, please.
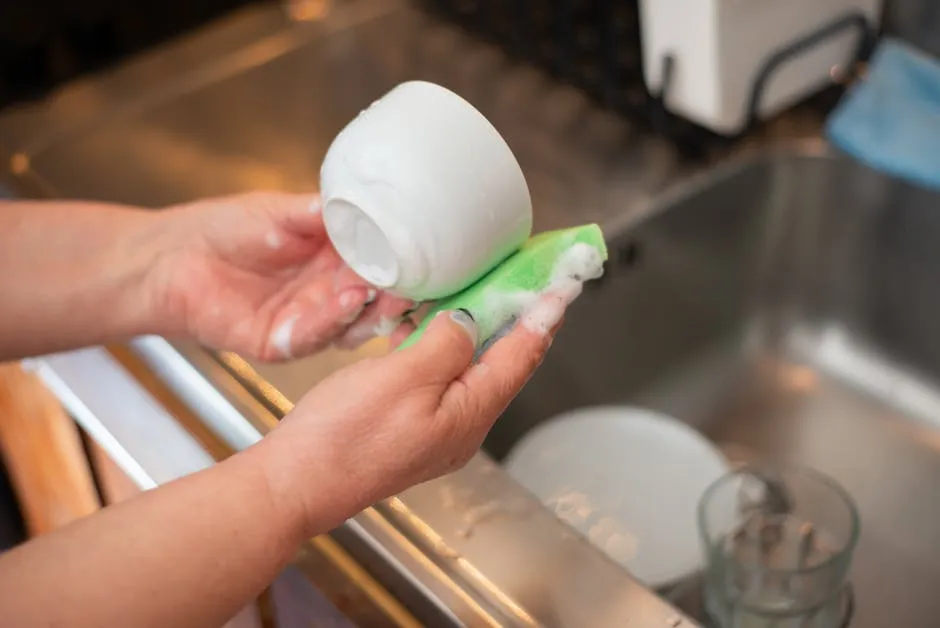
(533, 285)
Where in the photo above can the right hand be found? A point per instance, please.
(385, 424)
(256, 274)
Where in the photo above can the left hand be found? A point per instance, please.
(387, 423)
(256, 274)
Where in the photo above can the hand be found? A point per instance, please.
(256, 274)
(384, 424)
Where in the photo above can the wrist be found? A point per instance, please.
(272, 496)
(161, 241)
(308, 488)
(135, 266)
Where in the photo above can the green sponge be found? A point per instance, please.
(498, 296)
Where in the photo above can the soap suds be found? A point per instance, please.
(581, 262)
(273, 240)
(356, 335)
(550, 308)
(503, 308)
(611, 537)
(570, 506)
(281, 337)
(371, 295)
(540, 312)
(604, 532)
(474, 517)
(385, 327)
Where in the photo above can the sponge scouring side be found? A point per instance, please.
(554, 260)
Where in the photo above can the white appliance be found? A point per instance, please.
(718, 48)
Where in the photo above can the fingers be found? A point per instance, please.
(335, 306)
(314, 318)
(297, 232)
(444, 353)
(487, 388)
(298, 214)
(383, 318)
(263, 231)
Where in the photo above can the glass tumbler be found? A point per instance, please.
(778, 545)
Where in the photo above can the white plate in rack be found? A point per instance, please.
(628, 479)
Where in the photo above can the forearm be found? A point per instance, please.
(73, 274)
(191, 553)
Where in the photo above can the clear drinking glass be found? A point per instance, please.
(778, 545)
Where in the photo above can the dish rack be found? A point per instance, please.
(597, 46)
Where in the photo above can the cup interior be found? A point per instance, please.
(361, 242)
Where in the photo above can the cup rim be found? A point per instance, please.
(855, 522)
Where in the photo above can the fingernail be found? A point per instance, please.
(351, 304)
(465, 319)
(371, 296)
(316, 205)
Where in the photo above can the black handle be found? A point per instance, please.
(853, 20)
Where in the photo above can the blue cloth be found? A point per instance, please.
(890, 120)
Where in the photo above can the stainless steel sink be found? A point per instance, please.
(788, 308)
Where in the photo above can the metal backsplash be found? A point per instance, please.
(917, 22)
(44, 43)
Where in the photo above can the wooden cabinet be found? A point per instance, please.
(57, 473)
(43, 451)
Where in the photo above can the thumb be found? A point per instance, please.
(445, 351)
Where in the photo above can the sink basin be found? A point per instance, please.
(787, 307)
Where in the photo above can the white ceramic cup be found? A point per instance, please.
(421, 194)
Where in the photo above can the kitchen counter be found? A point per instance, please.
(253, 102)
